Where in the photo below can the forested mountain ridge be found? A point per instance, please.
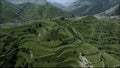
(33, 11)
(11, 13)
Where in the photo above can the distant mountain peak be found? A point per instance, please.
(65, 3)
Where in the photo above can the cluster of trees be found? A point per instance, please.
(38, 25)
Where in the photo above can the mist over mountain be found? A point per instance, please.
(65, 3)
(39, 2)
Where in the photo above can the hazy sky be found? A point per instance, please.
(62, 1)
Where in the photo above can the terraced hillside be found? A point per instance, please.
(61, 43)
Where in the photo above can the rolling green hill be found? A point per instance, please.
(9, 12)
(32, 11)
(60, 42)
(14, 13)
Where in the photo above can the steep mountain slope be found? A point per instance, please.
(9, 12)
(28, 11)
(61, 43)
(32, 11)
(113, 12)
(90, 7)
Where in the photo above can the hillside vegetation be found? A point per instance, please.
(35, 12)
(9, 12)
(28, 11)
(60, 42)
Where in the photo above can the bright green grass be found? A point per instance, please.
(100, 64)
(94, 58)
